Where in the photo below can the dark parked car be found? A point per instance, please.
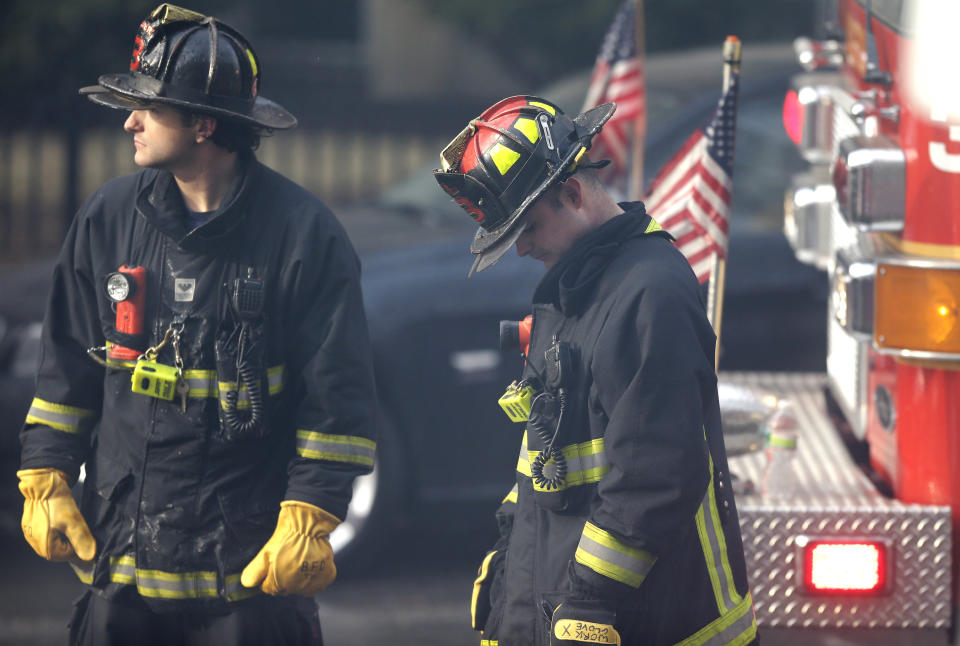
(445, 442)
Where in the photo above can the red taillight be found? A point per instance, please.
(793, 116)
(848, 567)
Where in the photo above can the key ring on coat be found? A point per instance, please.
(150, 354)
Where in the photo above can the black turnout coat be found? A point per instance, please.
(643, 531)
(177, 506)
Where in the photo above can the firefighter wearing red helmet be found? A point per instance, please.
(205, 356)
(621, 527)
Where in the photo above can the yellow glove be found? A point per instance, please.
(52, 524)
(297, 559)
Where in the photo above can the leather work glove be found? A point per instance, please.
(582, 621)
(52, 524)
(297, 559)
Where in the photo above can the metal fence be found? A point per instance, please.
(40, 186)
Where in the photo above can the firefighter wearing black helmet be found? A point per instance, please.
(205, 356)
(621, 527)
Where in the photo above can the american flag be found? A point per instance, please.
(618, 77)
(690, 196)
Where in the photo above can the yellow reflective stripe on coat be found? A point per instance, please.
(512, 495)
(478, 586)
(586, 463)
(69, 419)
(653, 226)
(166, 585)
(274, 384)
(714, 545)
(489, 642)
(203, 383)
(338, 448)
(605, 554)
(737, 627)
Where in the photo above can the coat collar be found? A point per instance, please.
(161, 203)
(569, 284)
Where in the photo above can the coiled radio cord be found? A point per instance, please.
(540, 418)
(249, 376)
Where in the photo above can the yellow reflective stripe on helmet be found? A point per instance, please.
(586, 463)
(604, 554)
(544, 106)
(69, 419)
(577, 158)
(166, 585)
(714, 545)
(737, 627)
(489, 642)
(253, 62)
(503, 157)
(478, 585)
(337, 448)
(653, 226)
(529, 129)
(511, 496)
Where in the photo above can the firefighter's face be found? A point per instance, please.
(161, 137)
(553, 224)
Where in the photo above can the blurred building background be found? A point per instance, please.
(378, 85)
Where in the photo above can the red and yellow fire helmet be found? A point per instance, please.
(508, 157)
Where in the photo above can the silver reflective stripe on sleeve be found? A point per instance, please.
(337, 448)
(604, 554)
(69, 419)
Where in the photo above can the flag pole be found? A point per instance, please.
(718, 272)
(635, 182)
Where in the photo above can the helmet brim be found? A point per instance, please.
(129, 92)
(495, 251)
(489, 246)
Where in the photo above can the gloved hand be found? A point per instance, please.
(583, 621)
(297, 559)
(52, 524)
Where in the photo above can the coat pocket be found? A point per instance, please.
(249, 518)
(106, 482)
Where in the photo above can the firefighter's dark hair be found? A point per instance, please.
(230, 135)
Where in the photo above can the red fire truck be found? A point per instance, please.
(866, 543)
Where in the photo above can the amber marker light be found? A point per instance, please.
(916, 309)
